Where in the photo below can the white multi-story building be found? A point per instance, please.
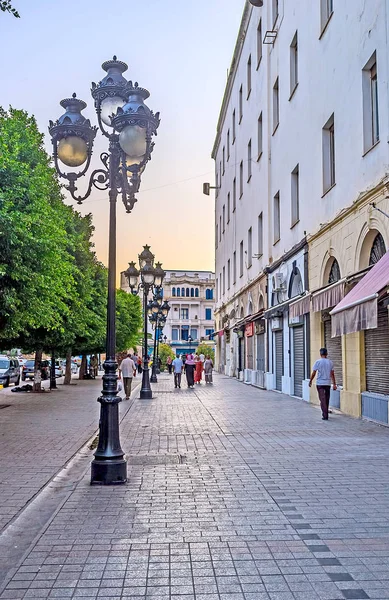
(300, 152)
(191, 295)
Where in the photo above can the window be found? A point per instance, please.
(187, 292)
(228, 207)
(217, 236)
(260, 136)
(326, 10)
(175, 334)
(228, 274)
(228, 145)
(209, 332)
(217, 289)
(241, 259)
(178, 292)
(224, 160)
(249, 171)
(276, 218)
(182, 292)
(259, 43)
(192, 292)
(184, 314)
(234, 195)
(233, 126)
(275, 10)
(260, 235)
(174, 291)
(370, 104)
(276, 105)
(209, 294)
(241, 179)
(185, 333)
(220, 171)
(240, 103)
(193, 334)
(224, 280)
(250, 247)
(220, 228)
(224, 218)
(197, 292)
(293, 64)
(249, 77)
(208, 314)
(234, 267)
(295, 208)
(328, 154)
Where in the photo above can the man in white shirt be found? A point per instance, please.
(126, 370)
(324, 367)
(202, 357)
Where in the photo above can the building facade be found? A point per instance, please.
(300, 154)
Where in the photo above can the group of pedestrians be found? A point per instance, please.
(193, 366)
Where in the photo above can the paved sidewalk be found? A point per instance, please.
(234, 493)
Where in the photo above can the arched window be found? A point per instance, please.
(197, 292)
(173, 291)
(182, 292)
(334, 275)
(377, 250)
(178, 292)
(208, 294)
(192, 292)
(187, 292)
(296, 287)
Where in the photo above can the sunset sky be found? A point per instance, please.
(180, 51)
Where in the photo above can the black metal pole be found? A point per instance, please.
(158, 370)
(153, 378)
(109, 465)
(145, 392)
(53, 383)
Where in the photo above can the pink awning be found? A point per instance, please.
(299, 308)
(358, 310)
(328, 297)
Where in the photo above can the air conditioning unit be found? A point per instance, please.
(278, 282)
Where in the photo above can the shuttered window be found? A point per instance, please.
(334, 347)
(279, 351)
(298, 360)
(377, 355)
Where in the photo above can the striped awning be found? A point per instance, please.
(301, 307)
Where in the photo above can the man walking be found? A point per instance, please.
(324, 367)
(126, 370)
(177, 368)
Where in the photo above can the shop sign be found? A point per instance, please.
(249, 329)
(260, 326)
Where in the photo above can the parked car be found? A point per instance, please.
(74, 367)
(9, 371)
(59, 368)
(28, 369)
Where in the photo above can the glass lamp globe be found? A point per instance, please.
(72, 151)
(132, 140)
(109, 107)
(148, 275)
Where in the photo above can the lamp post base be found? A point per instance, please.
(153, 378)
(108, 472)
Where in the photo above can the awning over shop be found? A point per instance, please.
(358, 310)
(329, 296)
(255, 316)
(277, 310)
(301, 307)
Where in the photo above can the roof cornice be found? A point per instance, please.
(232, 72)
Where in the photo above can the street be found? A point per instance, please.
(233, 493)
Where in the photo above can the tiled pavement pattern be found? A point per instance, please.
(234, 494)
(39, 433)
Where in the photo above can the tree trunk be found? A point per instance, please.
(37, 372)
(68, 367)
(82, 367)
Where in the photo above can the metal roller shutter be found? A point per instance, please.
(334, 347)
(298, 360)
(279, 349)
(261, 352)
(377, 355)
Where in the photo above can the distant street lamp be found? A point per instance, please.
(190, 340)
(150, 277)
(129, 125)
(158, 312)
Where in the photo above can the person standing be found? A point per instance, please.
(208, 368)
(169, 364)
(177, 366)
(202, 358)
(198, 370)
(139, 365)
(324, 367)
(189, 370)
(126, 370)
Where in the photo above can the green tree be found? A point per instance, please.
(164, 352)
(6, 6)
(128, 320)
(206, 350)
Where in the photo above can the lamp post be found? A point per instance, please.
(129, 125)
(150, 276)
(158, 312)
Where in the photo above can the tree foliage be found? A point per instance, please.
(206, 350)
(6, 6)
(164, 351)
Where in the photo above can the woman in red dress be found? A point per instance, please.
(199, 370)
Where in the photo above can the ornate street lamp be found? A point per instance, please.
(129, 125)
(149, 275)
